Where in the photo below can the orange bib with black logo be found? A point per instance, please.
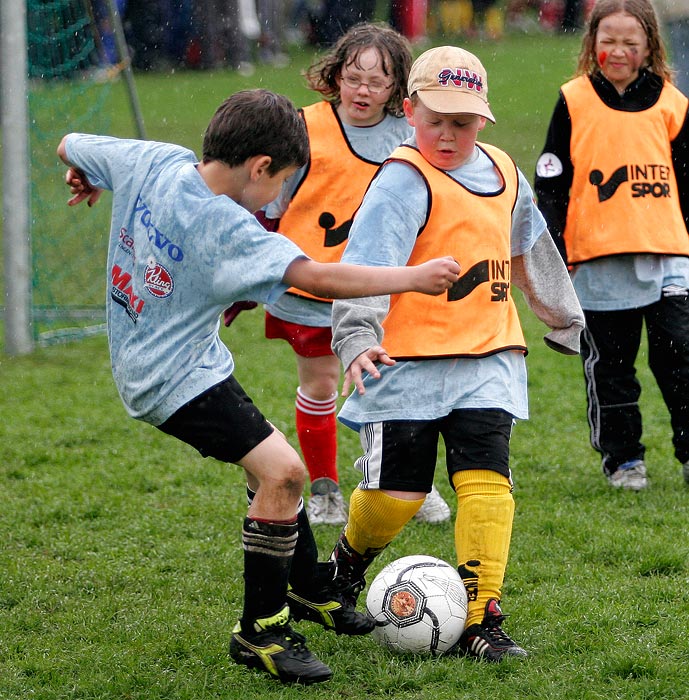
(477, 316)
(623, 198)
(320, 214)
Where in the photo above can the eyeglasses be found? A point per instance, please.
(374, 87)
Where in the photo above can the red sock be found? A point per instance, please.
(317, 433)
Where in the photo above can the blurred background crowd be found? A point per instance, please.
(238, 34)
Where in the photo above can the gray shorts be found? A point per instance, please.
(223, 423)
(401, 455)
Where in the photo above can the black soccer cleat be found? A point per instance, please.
(488, 641)
(333, 607)
(276, 649)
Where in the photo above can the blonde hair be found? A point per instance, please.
(644, 13)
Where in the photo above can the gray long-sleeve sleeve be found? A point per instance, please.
(543, 278)
(357, 326)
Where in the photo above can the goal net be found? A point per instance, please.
(74, 85)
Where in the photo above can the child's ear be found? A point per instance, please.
(408, 107)
(258, 166)
(481, 123)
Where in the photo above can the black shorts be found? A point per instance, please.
(223, 422)
(401, 455)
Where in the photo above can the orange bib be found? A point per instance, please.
(477, 317)
(320, 214)
(624, 194)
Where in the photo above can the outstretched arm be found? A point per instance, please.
(344, 281)
(77, 181)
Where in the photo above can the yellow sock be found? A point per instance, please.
(375, 519)
(483, 529)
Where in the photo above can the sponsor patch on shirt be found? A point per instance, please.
(158, 280)
(548, 165)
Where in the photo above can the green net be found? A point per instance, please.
(71, 89)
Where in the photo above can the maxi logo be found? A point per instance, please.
(496, 270)
(122, 293)
(157, 237)
(650, 179)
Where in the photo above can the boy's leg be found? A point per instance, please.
(262, 638)
(375, 518)
(225, 424)
(311, 595)
(397, 468)
(314, 596)
(477, 444)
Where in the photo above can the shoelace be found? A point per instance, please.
(349, 592)
(297, 642)
(496, 632)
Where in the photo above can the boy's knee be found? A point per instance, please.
(291, 475)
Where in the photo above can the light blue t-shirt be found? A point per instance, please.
(623, 282)
(178, 255)
(395, 208)
(374, 143)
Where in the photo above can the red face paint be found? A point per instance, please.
(601, 57)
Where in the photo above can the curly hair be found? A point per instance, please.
(644, 13)
(394, 49)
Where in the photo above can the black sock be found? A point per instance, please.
(268, 552)
(306, 574)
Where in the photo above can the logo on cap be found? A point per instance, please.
(462, 77)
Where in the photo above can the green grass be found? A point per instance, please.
(120, 571)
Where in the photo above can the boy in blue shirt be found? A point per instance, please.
(183, 247)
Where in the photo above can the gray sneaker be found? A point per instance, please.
(434, 508)
(685, 472)
(326, 505)
(630, 475)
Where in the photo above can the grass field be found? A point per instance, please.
(120, 574)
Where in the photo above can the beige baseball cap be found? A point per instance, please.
(451, 80)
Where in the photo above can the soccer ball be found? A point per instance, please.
(419, 605)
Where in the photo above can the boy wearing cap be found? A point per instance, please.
(454, 365)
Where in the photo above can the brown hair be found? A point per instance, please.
(393, 48)
(257, 122)
(643, 11)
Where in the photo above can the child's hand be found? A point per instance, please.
(365, 363)
(437, 276)
(235, 309)
(81, 188)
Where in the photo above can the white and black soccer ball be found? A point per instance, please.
(419, 605)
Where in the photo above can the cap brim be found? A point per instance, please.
(445, 102)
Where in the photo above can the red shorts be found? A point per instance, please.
(307, 341)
